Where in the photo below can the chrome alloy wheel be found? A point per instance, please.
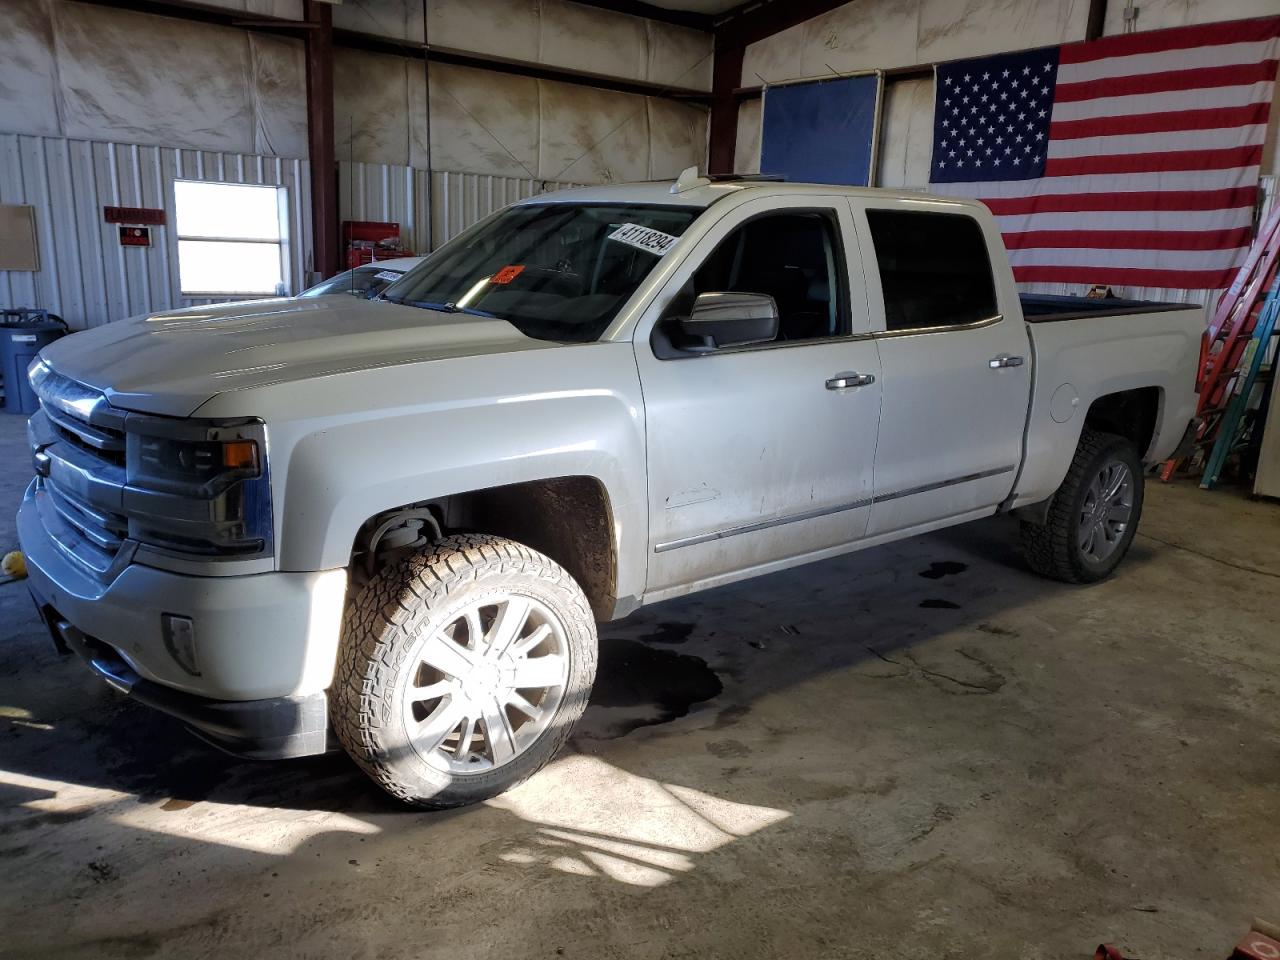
(486, 686)
(1106, 511)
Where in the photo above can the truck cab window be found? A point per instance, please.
(792, 257)
(934, 269)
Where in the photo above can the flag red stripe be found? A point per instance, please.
(1172, 121)
(1127, 276)
(1176, 38)
(1201, 78)
(1224, 159)
(1145, 200)
(1132, 239)
(1168, 103)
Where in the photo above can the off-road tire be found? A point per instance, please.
(407, 601)
(1052, 549)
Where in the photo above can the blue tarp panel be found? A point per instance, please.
(820, 132)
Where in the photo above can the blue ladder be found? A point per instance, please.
(1250, 364)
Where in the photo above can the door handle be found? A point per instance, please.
(843, 381)
(1005, 360)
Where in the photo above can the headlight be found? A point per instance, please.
(198, 487)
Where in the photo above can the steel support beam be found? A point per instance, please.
(1097, 19)
(373, 43)
(723, 125)
(638, 8)
(320, 144)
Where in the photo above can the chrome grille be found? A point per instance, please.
(78, 446)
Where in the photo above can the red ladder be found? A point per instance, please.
(1229, 330)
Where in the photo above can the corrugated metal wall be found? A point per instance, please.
(85, 275)
(88, 278)
(428, 217)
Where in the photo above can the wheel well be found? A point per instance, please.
(566, 518)
(1129, 413)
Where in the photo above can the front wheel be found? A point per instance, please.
(462, 670)
(1094, 514)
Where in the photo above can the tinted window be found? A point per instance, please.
(792, 257)
(556, 271)
(934, 268)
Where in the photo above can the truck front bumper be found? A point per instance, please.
(259, 655)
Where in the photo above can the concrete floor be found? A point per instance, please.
(919, 751)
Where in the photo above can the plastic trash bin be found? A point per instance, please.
(22, 334)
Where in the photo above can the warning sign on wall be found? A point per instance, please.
(135, 236)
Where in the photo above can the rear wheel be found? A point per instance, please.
(463, 669)
(1094, 514)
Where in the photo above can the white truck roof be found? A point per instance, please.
(704, 193)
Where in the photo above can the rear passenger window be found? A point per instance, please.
(934, 269)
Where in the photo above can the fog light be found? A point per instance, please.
(180, 641)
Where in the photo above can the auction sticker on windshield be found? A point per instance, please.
(643, 238)
(509, 273)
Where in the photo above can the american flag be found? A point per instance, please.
(1131, 161)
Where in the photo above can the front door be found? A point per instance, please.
(763, 453)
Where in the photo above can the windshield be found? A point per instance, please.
(366, 281)
(555, 271)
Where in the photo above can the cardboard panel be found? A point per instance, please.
(503, 28)
(678, 56)
(157, 80)
(588, 38)
(484, 122)
(592, 136)
(677, 138)
(371, 106)
(906, 134)
(862, 35)
(950, 30)
(746, 157)
(279, 95)
(18, 237)
(28, 92)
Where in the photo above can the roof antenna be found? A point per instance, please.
(689, 180)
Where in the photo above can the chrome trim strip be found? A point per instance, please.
(826, 511)
(951, 328)
(91, 435)
(926, 488)
(759, 525)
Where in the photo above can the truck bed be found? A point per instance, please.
(1048, 308)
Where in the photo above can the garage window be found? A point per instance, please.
(934, 269)
(231, 238)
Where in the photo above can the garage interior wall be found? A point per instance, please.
(892, 34)
(103, 106)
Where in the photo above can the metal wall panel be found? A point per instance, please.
(85, 275)
(464, 198)
(403, 195)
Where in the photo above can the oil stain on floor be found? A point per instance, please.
(637, 685)
(941, 568)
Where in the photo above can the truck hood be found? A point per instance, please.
(171, 363)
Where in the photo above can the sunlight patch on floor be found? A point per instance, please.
(593, 819)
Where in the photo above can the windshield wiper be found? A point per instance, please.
(447, 307)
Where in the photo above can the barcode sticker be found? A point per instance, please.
(388, 275)
(644, 238)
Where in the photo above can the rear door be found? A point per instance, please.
(762, 453)
(956, 373)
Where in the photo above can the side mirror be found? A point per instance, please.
(730, 320)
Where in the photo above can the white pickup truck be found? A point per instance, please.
(399, 520)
